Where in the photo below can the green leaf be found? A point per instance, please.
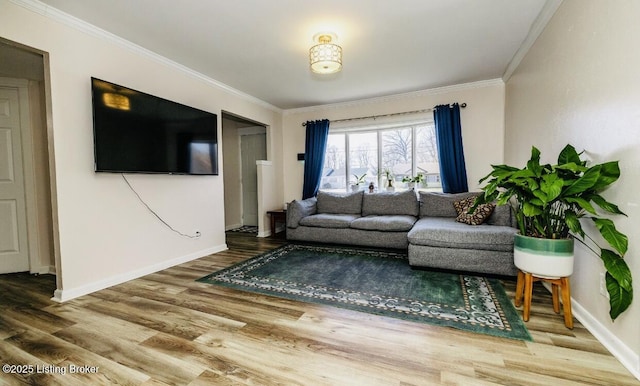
(551, 185)
(530, 210)
(572, 167)
(619, 298)
(568, 155)
(606, 205)
(533, 165)
(588, 179)
(542, 196)
(503, 199)
(609, 173)
(619, 241)
(617, 268)
(573, 223)
(584, 204)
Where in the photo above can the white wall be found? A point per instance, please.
(482, 126)
(580, 84)
(105, 234)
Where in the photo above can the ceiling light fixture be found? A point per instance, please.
(325, 57)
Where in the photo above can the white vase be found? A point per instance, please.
(545, 258)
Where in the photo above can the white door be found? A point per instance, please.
(252, 148)
(14, 255)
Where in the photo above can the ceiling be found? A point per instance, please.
(260, 47)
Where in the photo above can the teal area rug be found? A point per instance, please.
(377, 282)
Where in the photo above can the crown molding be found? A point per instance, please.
(546, 13)
(90, 29)
(395, 97)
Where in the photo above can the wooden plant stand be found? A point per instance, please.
(524, 286)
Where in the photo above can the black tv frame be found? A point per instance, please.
(153, 136)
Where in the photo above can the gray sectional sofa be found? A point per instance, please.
(425, 224)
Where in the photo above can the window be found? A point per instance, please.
(402, 150)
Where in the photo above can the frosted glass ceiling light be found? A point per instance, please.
(325, 57)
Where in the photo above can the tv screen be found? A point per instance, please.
(136, 132)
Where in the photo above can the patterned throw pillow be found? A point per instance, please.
(478, 216)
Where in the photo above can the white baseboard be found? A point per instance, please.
(627, 357)
(67, 294)
(230, 227)
(618, 348)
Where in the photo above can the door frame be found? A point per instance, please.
(28, 171)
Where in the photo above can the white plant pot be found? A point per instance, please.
(544, 258)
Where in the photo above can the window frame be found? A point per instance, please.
(379, 128)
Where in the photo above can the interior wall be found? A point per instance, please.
(580, 84)
(482, 126)
(106, 235)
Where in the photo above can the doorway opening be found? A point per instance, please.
(28, 240)
(244, 144)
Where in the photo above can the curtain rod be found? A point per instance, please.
(462, 105)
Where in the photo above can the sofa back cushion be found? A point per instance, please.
(336, 203)
(390, 203)
(434, 204)
(502, 216)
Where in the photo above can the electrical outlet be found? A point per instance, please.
(603, 285)
(198, 234)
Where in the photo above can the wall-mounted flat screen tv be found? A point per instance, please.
(135, 132)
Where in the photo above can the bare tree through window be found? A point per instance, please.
(397, 151)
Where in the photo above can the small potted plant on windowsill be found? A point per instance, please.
(359, 181)
(388, 180)
(413, 182)
(549, 201)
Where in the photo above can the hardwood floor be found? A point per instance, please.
(168, 329)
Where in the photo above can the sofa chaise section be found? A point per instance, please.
(437, 240)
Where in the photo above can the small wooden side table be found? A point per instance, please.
(278, 216)
(524, 286)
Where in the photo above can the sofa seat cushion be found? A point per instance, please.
(391, 223)
(328, 220)
(446, 232)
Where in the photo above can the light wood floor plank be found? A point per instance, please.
(168, 329)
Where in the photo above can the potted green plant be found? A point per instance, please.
(549, 202)
(413, 181)
(389, 180)
(359, 181)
